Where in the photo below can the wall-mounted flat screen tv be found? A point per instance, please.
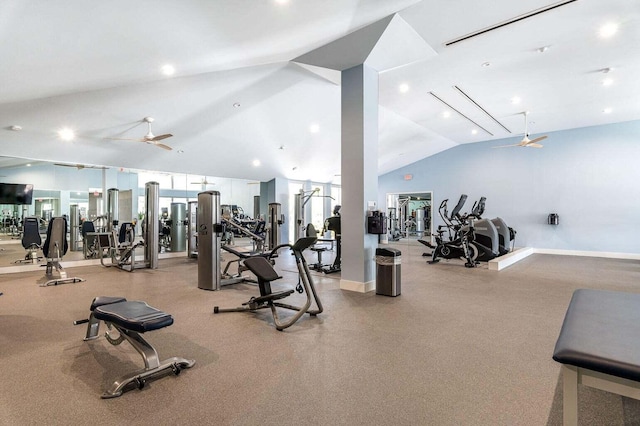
(15, 193)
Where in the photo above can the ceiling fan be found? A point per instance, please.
(149, 138)
(526, 142)
(203, 182)
(78, 166)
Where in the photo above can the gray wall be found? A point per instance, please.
(589, 176)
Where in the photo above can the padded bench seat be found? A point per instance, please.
(599, 346)
(133, 315)
(129, 319)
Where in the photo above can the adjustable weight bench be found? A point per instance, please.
(598, 346)
(130, 319)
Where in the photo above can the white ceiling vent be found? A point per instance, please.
(509, 22)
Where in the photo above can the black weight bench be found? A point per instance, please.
(598, 346)
(130, 319)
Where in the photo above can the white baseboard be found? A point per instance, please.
(357, 286)
(606, 254)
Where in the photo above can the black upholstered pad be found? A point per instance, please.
(262, 268)
(105, 300)
(601, 332)
(133, 315)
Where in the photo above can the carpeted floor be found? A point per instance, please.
(458, 347)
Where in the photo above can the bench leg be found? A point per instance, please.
(152, 366)
(569, 395)
(93, 327)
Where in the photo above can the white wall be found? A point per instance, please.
(589, 176)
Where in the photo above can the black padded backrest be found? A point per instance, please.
(87, 226)
(260, 227)
(303, 244)
(311, 231)
(333, 224)
(261, 268)
(31, 232)
(458, 207)
(125, 228)
(56, 235)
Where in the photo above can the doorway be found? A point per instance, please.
(410, 215)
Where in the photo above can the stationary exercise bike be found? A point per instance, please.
(461, 241)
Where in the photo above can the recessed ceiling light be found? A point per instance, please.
(168, 69)
(486, 64)
(607, 110)
(236, 105)
(66, 134)
(607, 82)
(403, 88)
(28, 164)
(255, 163)
(515, 100)
(16, 128)
(474, 131)
(608, 30)
(446, 114)
(543, 49)
(314, 128)
(181, 151)
(282, 1)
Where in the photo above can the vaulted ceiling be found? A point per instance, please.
(236, 96)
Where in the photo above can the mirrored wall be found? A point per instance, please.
(57, 187)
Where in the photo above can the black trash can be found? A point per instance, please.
(388, 262)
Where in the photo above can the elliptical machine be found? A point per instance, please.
(485, 234)
(461, 241)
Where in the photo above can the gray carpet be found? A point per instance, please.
(458, 347)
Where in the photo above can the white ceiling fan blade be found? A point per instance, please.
(536, 140)
(126, 139)
(160, 137)
(534, 145)
(163, 146)
(506, 146)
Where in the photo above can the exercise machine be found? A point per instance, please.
(192, 230)
(276, 220)
(460, 244)
(54, 248)
(119, 244)
(501, 239)
(128, 320)
(31, 240)
(211, 226)
(268, 298)
(300, 201)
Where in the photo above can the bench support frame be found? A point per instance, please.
(573, 376)
(152, 366)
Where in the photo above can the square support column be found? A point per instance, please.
(359, 161)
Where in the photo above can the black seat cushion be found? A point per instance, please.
(105, 300)
(133, 315)
(600, 333)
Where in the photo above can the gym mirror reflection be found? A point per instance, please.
(58, 187)
(410, 216)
